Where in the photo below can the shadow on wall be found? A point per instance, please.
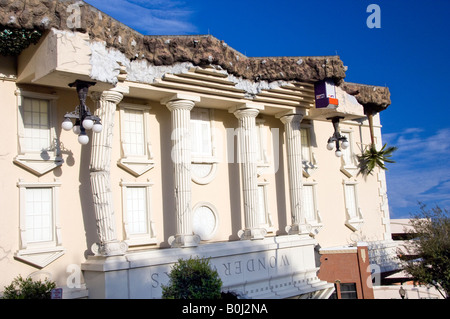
(163, 117)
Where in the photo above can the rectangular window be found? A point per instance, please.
(38, 145)
(347, 154)
(137, 218)
(354, 218)
(262, 211)
(306, 145)
(201, 145)
(350, 200)
(36, 125)
(39, 215)
(309, 202)
(136, 155)
(40, 232)
(133, 132)
(137, 210)
(348, 291)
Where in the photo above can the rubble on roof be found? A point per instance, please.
(373, 98)
(70, 15)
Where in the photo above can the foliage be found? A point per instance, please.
(14, 41)
(21, 288)
(372, 158)
(193, 279)
(427, 257)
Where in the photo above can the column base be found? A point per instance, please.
(252, 234)
(116, 248)
(303, 229)
(182, 241)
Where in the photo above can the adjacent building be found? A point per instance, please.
(202, 152)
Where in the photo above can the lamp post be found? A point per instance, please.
(337, 139)
(84, 120)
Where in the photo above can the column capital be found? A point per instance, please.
(245, 106)
(293, 111)
(241, 113)
(180, 97)
(109, 96)
(180, 105)
(291, 118)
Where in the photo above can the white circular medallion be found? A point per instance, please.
(205, 220)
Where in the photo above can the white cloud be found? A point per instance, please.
(154, 17)
(421, 172)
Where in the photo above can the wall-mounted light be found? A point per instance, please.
(84, 120)
(337, 139)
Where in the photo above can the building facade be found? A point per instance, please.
(203, 151)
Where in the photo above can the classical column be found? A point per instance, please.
(247, 150)
(180, 108)
(295, 172)
(100, 167)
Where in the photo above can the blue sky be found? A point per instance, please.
(409, 54)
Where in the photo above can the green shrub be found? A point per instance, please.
(193, 279)
(21, 288)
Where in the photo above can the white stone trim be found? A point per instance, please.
(141, 239)
(180, 107)
(43, 253)
(246, 136)
(44, 161)
(215, 214)
(349, 167)
(316, 224)
(353, 222)
(136, 165)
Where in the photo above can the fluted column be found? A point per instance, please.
(180, 109)
(247, 151)
(295, 172)
(100, 167)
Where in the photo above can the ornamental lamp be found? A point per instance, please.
(337, 139)
(84, 120)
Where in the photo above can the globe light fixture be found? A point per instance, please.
(84, 120)
(337, 139)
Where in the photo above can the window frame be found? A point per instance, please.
(32, 252)
(349, 168)
(38, 162)
(352, 222)
(315, 223)
(201, 161)
(136, 165)
(268, 225)
(138, 239)
(309, 166)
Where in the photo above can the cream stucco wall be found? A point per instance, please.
(77, 218)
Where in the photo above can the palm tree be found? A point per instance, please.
(372, 158)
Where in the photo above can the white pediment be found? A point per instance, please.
(39, 258)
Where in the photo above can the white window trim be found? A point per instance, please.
(136, 165)
(43, 253)
(141, 239)
(316, 223)
(38, 163)
(262, 133)
(210, 160)
(310, 166)
(269, 225)
(349, 169)
(354, 223)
